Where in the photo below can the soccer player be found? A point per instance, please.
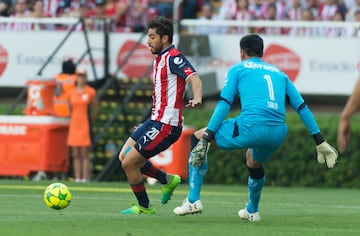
(171, 72)
(351, 107)
(264, 91)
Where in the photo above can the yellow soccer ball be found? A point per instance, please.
(57, 196)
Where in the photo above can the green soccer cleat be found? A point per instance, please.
(168, 189)
(138, 210)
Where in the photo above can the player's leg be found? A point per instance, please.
(76, 157)
(157, 138)
(256, 182)
(271, 138)
(85, 163)
(192, 204)
(131, 162)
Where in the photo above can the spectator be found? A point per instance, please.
(314, 6)
(97, 18)
(306, 15)
(242, 14)
(328, 9)
(51, 7)
(21, 11)
(163, 7)
(255, 9)
(37, 11)
(271, 16)
(135, 14)
(78, 8)
(356, 31)
(190, 9)
(280, 7)
(207, 14)
(337, 31)
(294, 11)
(79, 138)
(110, 8)
(5, 8)
(350, 15)
(227, 10)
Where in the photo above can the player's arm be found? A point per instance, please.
(351, 107)
(95, 108)
(180, 66)
(224, 104)
(219, 114)
(196, 86)
(325, 152)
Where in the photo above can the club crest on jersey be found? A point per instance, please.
(178, 60)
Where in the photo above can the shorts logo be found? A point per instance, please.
(284, 58)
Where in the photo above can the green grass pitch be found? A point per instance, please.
(95, 210)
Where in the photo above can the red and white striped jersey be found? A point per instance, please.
(170, 71)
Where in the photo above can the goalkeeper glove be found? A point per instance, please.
(199, 152)
(325, 152)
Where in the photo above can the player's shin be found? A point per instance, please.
(256, 182)
(196, 179)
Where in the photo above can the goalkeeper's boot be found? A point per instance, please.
(168, 189)
(245, 215)
(138, 210)
(188, 208)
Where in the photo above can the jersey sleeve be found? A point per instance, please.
(180, 66)
(297, 103)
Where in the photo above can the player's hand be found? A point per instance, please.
(193, 102)
(326, 153)
(199, 153)
(343, 135)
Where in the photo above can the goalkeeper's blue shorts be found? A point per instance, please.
(262, 139)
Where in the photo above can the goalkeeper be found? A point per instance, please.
(264, 91)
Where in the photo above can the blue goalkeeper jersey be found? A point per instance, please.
(264, 91)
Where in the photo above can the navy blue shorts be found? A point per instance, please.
(153, 137)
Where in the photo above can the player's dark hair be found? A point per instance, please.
(253, 45)
(163, 26)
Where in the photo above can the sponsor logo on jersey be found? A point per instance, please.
(188, 71)
(178, 60)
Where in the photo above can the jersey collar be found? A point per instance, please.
(166, 50)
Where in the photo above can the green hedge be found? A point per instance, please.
(294, 163)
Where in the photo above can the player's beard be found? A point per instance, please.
(156, 50)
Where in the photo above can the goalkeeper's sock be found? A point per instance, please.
(256, 182)
(150, 170)
(196, 179)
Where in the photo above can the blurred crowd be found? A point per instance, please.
(133, 15)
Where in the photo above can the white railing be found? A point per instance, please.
(191, 24)
(60, 21)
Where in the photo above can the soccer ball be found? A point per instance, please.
(57, 196)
